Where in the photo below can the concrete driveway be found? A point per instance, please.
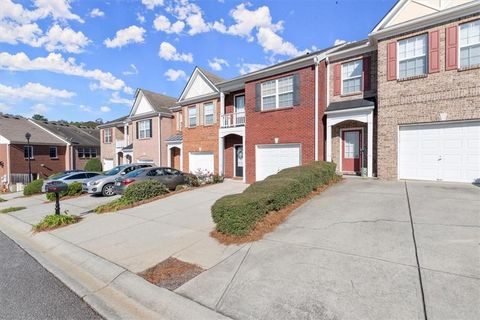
(363, 249)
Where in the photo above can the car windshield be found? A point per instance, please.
(57, 176)
(114, 171)
(135, 173)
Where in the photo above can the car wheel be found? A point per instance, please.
(107, 190)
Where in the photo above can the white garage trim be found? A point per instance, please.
(107, 164)
(443, 151)
(200, 160)
(295, 161)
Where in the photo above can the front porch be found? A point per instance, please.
(231, 153)
(175, 151)
(350, 133)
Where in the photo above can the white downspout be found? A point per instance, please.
(9, 173)
(159, 141)
(316, 60)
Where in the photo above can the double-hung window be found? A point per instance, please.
(53, 153)
(107, 138)
(208, 114)
(192, 117)
(352, 77)
(28, 152)
(412, 56)
(93, 152)
(144, 129)
(470, 44)
(277, 93)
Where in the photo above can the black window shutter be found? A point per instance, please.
(136, 126)
(150, 125)
(296, 89)
(258, 97)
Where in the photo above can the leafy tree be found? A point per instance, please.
(39, 117)
(93, 165)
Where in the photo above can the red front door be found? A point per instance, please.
(351, 158)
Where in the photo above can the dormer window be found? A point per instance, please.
(412, 57)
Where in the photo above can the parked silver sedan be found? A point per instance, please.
(70, 178)
(170, 177)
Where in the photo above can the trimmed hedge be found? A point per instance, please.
(74, 189)
(237, 214)
(144, 190)
(33, 187)
(94, 165)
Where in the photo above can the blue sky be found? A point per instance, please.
(82, 60)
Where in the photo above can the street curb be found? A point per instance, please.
(111, 290)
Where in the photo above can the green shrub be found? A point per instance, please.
(144, 190)
(93, 165)
(113, 206)
(216, 178)
(237, 214)
(12, 209)
(2, 200)
(192, 180)
(54, 221)
(74, 189)
(33, 187)
(181, 187)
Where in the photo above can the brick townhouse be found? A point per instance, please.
(401, 104)
(142, 135)
(47, 152)
(429, 91)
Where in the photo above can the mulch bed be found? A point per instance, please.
(171, 273)
(270, 222)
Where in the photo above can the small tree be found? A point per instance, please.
(39, 117)
(93, 165)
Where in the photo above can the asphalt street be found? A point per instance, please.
(28, 291)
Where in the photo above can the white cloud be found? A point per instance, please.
(272, 42)
(132, 34)
(64, 40)
(169, 52)
(33, 91)
(174, 75)
(151, 4)
(162, 23)
(217, 64)
(39, 108)
(57, 9)
(128, 90)
(140, 18)
(85, 108)
(338, 42)
(197, 24)
(55, 62)
(191, 14)
(4, 108)
(245, 68)
(105, 109)
(116, 99)
(13, 33)
(96, 13)
(133, 70)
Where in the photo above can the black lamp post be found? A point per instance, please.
(28, 136)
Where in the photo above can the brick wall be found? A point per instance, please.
(201, 138)
(456, 93)
(4, 160)
(290, 125)
(168, 128)
(230, 100)
(228, 156)
(107, 150)
(41, 155)
(146, 149)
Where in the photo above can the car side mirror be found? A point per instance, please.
(122, 173)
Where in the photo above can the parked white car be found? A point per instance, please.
(70, 178)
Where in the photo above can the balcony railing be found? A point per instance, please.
(119, 144)
(230, 120)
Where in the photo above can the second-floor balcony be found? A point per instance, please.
(230, 120)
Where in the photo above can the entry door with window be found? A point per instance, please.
(351, 160)
(239, 161)
(239, 110)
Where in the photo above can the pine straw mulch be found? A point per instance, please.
(270, 222)
(171, 273)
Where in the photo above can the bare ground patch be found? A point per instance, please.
(171, 273)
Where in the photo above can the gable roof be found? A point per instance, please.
(113, 122)
(421, 13)
(211, 80)
(14, 129)
(159, 102)
(71, 133)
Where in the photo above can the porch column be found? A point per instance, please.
(181, 156)
(169, 156)
(244, 159)
(370, 144)
(125, 135)
(222, 103)
(329, 140)
(221, 148)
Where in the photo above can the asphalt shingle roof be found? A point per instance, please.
(212, 77)
(14, 128)
(175, 137)
(159, 102)
(351, 104)
(72, 133)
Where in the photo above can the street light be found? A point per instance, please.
(28, 136)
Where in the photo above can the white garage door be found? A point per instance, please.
(270, 159)
(444, 152)
(107, 164)
(200, 161)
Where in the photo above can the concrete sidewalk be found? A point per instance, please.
(349, 253)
